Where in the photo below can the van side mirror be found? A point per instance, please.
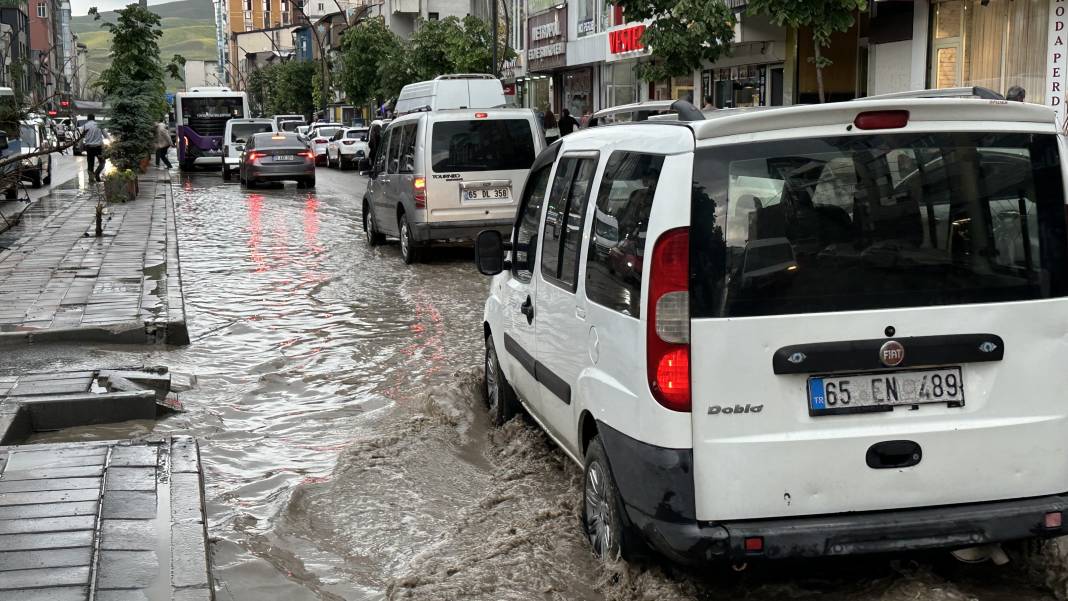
(489, 252)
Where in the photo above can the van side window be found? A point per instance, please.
(563, 221)
(393, 160)
(380, 160)
(617, 243)
(526, 231)
(407, 148)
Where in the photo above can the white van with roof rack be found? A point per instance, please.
(800, 332)
(447, 174)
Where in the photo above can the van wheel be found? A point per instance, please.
(408, 246)
(374, 238)
(602, 509)
(226, 174)
(499, 394)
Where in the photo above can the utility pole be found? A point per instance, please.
(493, 29)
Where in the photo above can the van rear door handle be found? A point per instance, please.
(527, 308)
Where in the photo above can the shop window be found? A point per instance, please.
(994, 44)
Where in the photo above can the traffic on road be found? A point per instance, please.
(802, 352)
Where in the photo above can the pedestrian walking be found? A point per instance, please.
(1016, 94)
(568, 124)
(93, 141)
(163, 144)
(552, 130)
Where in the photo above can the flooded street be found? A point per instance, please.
(336, 395)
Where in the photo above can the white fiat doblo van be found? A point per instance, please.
(807, 331)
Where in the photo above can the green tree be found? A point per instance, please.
(429, 47)
(133, 83)
(373, 61)
(292, 94)
(683, 34)
(823, 17)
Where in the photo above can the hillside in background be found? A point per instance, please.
(188, 29)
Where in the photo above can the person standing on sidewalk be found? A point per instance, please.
(163, 144)
(93, 141)
(567, 123)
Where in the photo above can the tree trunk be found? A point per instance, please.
(819, 72)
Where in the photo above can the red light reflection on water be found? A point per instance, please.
(255, 228)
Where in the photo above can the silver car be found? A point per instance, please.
(277, 156)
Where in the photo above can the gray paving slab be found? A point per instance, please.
(53, 558)
(116, 542)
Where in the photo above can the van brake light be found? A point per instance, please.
(881, 120)
(419, 184)
(667, 337)
(481, 115)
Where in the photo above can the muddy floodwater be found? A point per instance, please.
(336, 394)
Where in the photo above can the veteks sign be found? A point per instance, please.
(626, 42)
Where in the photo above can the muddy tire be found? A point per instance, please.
(603, 519)
(410, 251)
(374, 238)
(499, 395)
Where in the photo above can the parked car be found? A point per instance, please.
(826, 337)
(446, 175)
(289, 125)
(237, 133)
(280, 119)
(347, 147)
(277, 156)
(318, 137)
(33, 138)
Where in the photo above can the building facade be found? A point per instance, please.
(15, 46)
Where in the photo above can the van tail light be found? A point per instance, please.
(667, 335)
(255, 156)
(881, 120)
(419, 184)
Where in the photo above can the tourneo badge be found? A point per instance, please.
(892, 353)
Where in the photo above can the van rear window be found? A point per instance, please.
(483, 145)
(875, 222)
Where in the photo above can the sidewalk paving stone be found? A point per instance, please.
(59, 282)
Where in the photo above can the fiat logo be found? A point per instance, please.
(892, 353)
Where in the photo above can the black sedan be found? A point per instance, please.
(277, 156)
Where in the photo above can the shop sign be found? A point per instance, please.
(1057, 57)
(512, 68)
(548, 40)
(586, 27)
(626, 42)
(509, 89)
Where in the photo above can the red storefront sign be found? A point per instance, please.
(628, 39)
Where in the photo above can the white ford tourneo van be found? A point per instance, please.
(806, 331)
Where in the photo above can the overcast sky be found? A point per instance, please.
(81, 7)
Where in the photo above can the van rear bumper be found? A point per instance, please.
(459, 230)
(949, 527)
(653, 483)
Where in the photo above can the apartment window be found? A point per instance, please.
(432, 16)
(248, 5)
(322, 8)
(266, 6)
(42, 10)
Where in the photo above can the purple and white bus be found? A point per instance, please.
(200, 116)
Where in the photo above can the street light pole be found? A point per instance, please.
(493, 28)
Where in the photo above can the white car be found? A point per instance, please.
(347, 147)
(861, 355)
(318, 136)
(238, 133)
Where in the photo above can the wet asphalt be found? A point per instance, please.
(336, 394)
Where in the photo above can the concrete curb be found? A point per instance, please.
(177, 332)
(130, 332)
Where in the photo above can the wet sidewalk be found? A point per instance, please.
(59, 282)
(107, 521)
